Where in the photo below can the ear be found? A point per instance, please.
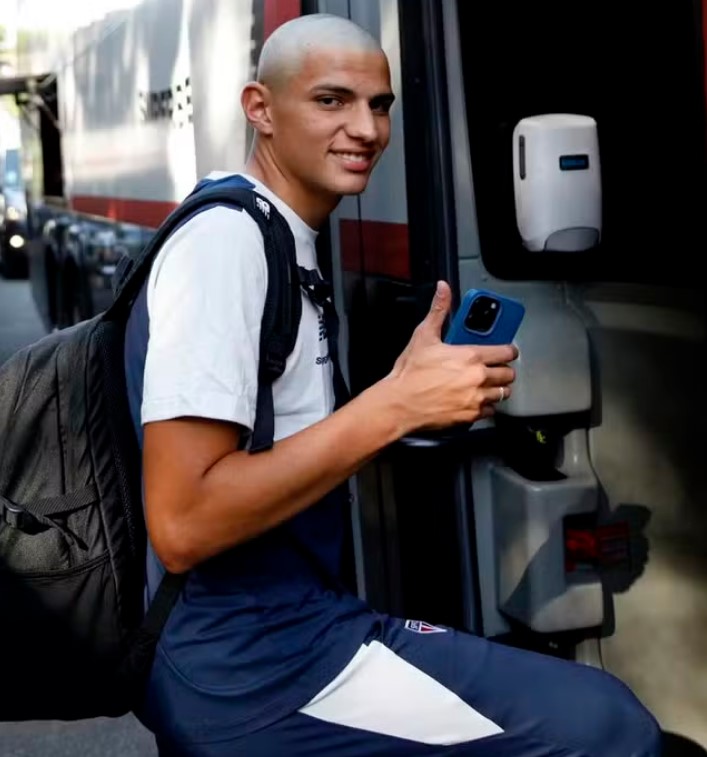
(255, 100)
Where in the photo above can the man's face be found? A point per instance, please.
(331, 120)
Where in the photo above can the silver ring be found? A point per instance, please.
(503, 393)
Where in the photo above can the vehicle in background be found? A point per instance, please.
(14, 227)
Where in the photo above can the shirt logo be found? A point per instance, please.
(419, 626)
(324, 359)
(263, 207)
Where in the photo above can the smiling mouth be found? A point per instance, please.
(355, 160)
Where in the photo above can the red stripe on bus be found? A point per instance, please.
(276, 12)
(375, 247)
(149, 213)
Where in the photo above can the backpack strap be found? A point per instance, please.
(280, 324)
(320, 293)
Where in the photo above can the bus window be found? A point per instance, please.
(639, 71)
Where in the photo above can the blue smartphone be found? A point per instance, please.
(485, 317)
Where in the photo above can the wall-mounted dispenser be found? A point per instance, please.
(557, 179)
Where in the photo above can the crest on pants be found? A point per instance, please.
(419, 626)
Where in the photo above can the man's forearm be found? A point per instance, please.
(243, 495)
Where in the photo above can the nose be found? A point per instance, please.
(362, 124)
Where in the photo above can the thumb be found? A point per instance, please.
(439, 309)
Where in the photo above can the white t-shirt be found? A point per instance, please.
(205, 299)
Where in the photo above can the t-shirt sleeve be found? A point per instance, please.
(205, 299)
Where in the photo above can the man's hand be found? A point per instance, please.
(439, 384)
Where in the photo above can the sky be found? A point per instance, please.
(43, 14)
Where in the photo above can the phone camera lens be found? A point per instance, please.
(482, 314)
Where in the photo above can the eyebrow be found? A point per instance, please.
(384, 98)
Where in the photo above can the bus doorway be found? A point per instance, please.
(640, 73)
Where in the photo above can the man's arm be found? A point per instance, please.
(202, 497)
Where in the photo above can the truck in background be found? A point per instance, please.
(14, 229)
(575, 522)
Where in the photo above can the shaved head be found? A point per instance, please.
(320, 109)
(286, 48)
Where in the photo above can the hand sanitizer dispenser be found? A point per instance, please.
(557, 178)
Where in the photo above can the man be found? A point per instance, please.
(263, 654)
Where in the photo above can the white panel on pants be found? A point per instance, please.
(379, 691)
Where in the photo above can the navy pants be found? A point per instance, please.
(426, 690)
